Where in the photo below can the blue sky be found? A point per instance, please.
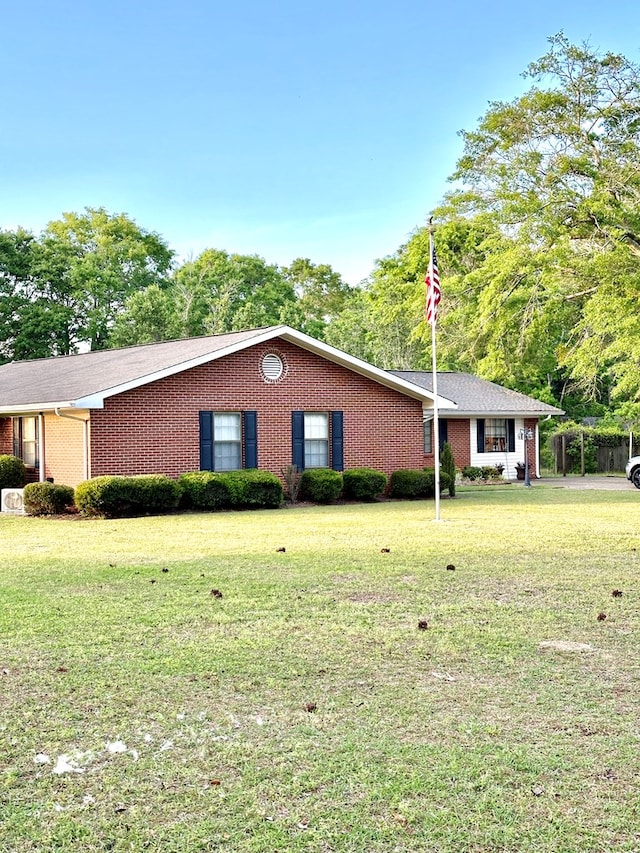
(285, 129)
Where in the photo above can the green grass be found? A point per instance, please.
(467, 736)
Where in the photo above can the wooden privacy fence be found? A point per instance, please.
(581, 453)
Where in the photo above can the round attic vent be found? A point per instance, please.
(272, 367)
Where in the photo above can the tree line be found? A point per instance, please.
(538, 246)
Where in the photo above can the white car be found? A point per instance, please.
(633, 471)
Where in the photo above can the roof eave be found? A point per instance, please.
(36, 408)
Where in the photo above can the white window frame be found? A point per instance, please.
(427, 435)
(27, 449)
(221, 441)
(316, 440)
(496, 439)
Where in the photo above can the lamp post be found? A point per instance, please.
(527, 435)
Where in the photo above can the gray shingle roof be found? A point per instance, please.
(71, 377)
(84, 381)
(476, 396)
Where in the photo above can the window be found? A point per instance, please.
(227, 441)
(25, 441)
(495, 435)
(428, 435)
(316, 440)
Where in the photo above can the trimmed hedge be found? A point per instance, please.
(248, 489)
(47, 498)
(363, 484)
(127, 496)
(254, 489)
(320, 485)
(204, 490)
(13, 472)
(414, 484)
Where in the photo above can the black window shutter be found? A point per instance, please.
(443, 432)
(250, 436)
(297, 439)
(480, 434)
(337, 441)
(206, 441)
(511, 435)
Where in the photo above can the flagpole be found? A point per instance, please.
(436, 424)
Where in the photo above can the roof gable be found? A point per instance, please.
(84, 381)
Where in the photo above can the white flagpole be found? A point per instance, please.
(436, 425)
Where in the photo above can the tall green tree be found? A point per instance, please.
(92, 262)
(320, 292)
(32, 323)
(148, 316)
(218, 292)
(539, 244)
(559, 167)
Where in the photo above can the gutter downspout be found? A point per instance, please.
(85, 440)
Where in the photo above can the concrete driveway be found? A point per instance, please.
(618, 483)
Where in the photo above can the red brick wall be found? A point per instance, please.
(531, 423)
(458, 436)
(156, 429)
(6, 436)
(63, 443)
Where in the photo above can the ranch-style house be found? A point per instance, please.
(263, 398)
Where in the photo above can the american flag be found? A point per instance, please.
(432, 280)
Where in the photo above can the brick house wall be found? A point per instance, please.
(6, 436)
(459, 437)
(532, 424)
(155, 428)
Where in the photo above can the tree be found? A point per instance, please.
(218, 292)
(32, 323)
(321, 294)
(91, 263)
(558, 168)
(148, 316)
(448, 466)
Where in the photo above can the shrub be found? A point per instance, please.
(249, 489)
(448, 467)
(321, 485)
(204, 490)
(127, 496)
(47, 498)
(156, 492)
(253, 489)
(445, 481)
(363, 484)
(471, 472)
(489, 472)
(413, 483)
(13, 473)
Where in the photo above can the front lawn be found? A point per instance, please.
(316, 679)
